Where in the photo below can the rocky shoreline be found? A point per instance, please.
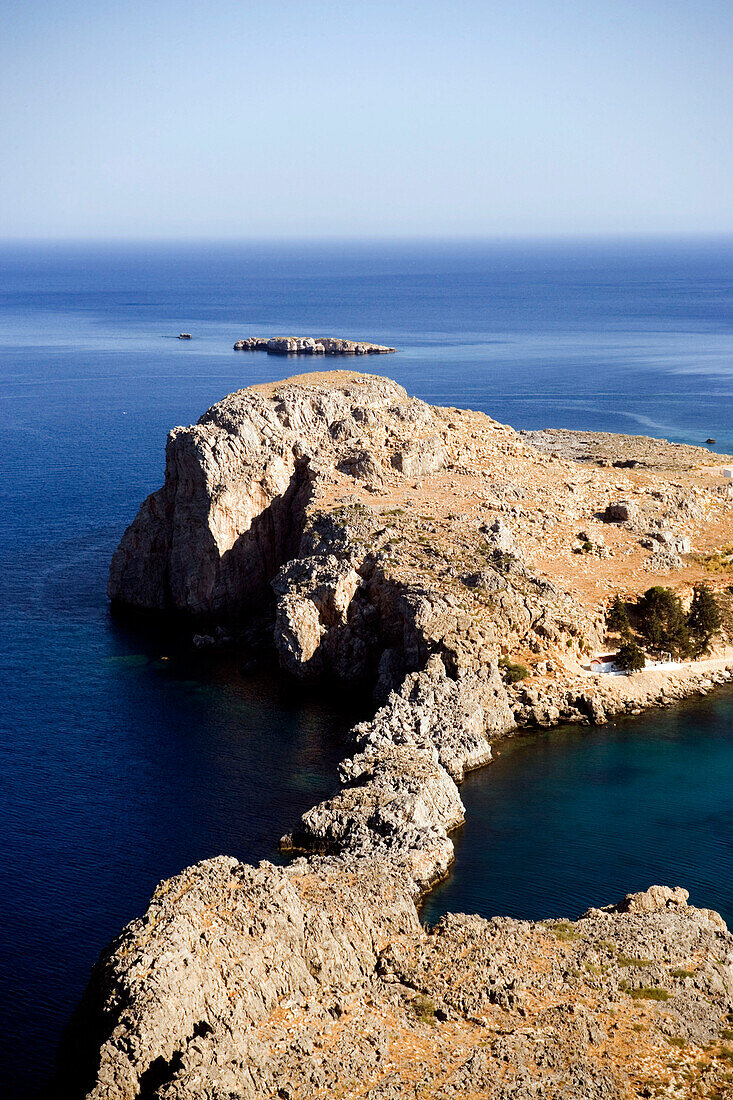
(416, 549)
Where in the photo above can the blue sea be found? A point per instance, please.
(124, 757)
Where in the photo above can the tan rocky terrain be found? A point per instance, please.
(317, 980)
(390, 529)
(410, 547)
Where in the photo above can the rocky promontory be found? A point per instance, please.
(376, 530)
(425, 552)
(428, 553)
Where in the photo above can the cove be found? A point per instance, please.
(580, 816)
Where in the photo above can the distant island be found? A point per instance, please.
(310, 345)
(469, 574)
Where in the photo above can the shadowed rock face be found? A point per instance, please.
(232, 507)
(212, 558)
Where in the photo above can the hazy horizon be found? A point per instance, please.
(473, 240)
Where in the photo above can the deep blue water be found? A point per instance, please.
(119, 768)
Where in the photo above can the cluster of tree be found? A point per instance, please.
(661, 625)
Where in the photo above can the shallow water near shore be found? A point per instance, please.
(120, 767)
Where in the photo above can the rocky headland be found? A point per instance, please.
(417, 550)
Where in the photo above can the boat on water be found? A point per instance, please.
(184, 336)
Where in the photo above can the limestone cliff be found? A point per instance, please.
(232, 507)
(301, 486)
(376, 530)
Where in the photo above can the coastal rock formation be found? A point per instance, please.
(400, 801)
(317, 979)
(309, 345)
(398, 806)
(414, 548)
(455, 717)
(232, 507)
(595, 699)
(262, 491)
(377, 530)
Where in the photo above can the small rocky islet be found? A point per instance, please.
(310, 345)
(381, 540)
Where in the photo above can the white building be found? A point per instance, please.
(606, 663)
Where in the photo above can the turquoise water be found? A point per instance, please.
(582, 816)
(118, 768)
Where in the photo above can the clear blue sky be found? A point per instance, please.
(300, 118)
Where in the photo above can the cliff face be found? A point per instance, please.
(233, 503)
(298, 488)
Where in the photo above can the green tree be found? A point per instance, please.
(513, 672)
(704, 619)
(618, 617)
(630, 657)
(662, 621)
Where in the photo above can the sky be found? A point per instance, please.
(236, 119)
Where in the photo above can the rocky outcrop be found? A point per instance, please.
(455, 718)
(621, 511)
(313, 630)
(329, 500)
(351, 513)
(317, 979)
(400, 801)
(309, 345)
(377, 530)
(233, 503)
(424, 456)
(222, 948)
(261, 492)
(347, 607)
(397, 806)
